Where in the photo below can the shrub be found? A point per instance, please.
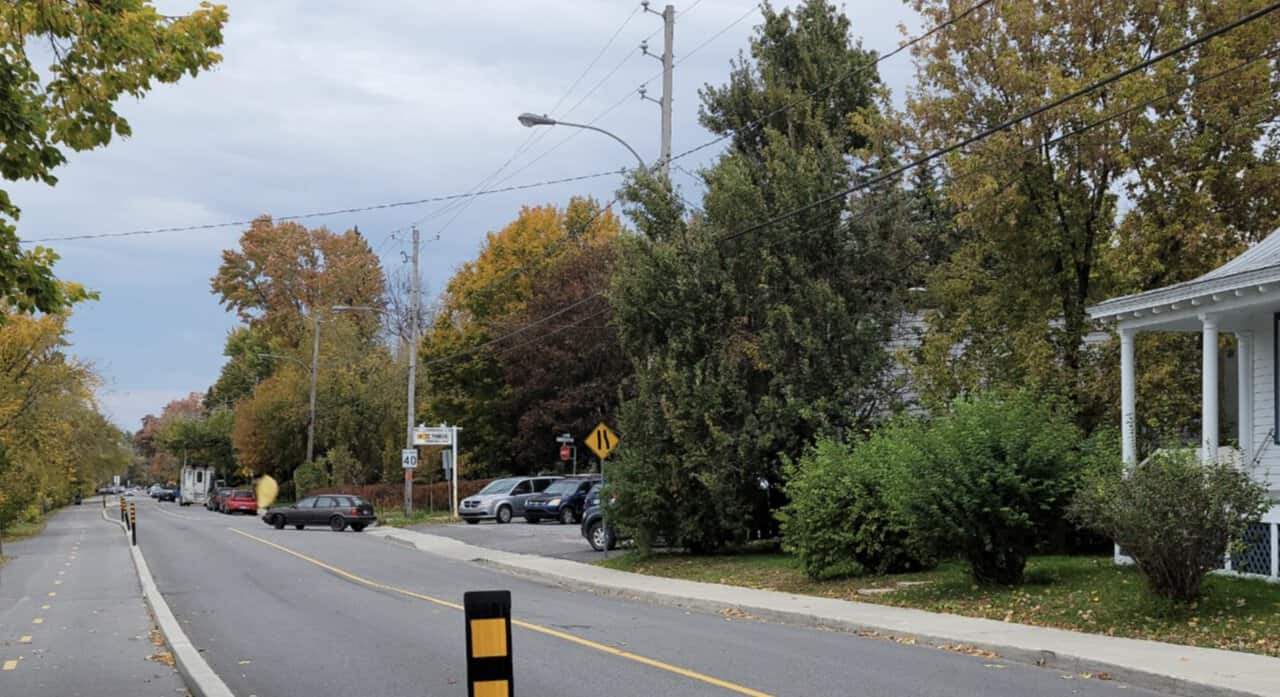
(991, 476)
(310, 475)
(839, 521)
(1174, 516)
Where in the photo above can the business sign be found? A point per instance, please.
(432, 435)
(409, 458)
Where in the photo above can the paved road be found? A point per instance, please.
(283, 613)
(72, 618)
(548, 539)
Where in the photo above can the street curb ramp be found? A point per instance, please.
(196, 672)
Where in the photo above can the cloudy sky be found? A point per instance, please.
(321, 105)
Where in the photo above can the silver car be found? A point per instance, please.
(502, 499)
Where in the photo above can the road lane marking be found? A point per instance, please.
(38, 620)
(24, 639)
(53, 594)
(46, 606)
(58, 582)
(10, 665)
(587, 643)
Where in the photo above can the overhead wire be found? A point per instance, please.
(940, 152)
(848, 73)
(326, 213)
(533, 138)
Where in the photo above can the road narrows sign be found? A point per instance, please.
(602, 441)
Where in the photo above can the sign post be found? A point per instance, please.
(568, 450)
(602, 441)
(453, 463)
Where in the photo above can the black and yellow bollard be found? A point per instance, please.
(133, 522)
(124, 512)
(488, 616)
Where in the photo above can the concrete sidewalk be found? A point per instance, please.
(1181, 670)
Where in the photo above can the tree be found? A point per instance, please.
(54, 442)
(102, 51)
(166, 440)
(747, 346)
(1045, 232)
(568, 374)
(284, 273)
(247, 365)
(464, 378)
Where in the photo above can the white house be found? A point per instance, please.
(1242, 297)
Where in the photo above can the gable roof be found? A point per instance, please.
(1255, 267)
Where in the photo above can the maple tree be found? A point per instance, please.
(102, 51)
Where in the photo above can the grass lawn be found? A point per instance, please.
(394, 517)
(1087, 594)
(21, 531)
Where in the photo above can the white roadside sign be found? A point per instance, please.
(433, 435)
(409, 458)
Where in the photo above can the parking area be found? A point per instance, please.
(547, 539)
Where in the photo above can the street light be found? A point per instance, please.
(529, 120)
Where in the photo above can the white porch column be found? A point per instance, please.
(1244, 379)
(1209, 390)
(1128, 426)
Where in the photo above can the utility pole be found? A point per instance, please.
(668, 39)
(410, 411)
(668, 15)
(315, 370)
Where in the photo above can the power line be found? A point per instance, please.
(328, 213)
(1009, 123)
(850, 72)
(1253, 16)
(518, 330)
(533, 138)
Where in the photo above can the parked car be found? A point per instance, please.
(564, 501)
(167, 494)
(154, 490)
(214, 502)
(239, 500)
(599, 534)
(502, 499)
(335, 510)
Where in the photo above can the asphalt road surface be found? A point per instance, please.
(547, 539)
(72, 618)
(287, 613)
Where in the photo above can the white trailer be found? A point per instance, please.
(195, 486)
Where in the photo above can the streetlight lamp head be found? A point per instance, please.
(529, 120)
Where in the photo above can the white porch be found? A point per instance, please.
(1241, 298)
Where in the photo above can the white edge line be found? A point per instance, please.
(200, 678)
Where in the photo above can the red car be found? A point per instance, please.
(239, 501)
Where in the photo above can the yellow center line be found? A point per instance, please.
(24, 639)
(10, 665)
(691, 674)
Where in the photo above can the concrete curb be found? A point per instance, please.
(1256, 672)
(195, 671)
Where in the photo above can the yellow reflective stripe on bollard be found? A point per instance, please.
(491, 688)
(488, 638)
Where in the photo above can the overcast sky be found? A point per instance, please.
(321, 105)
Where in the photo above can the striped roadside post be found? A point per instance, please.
(488, 617)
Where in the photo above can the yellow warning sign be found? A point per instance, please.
(602, 441)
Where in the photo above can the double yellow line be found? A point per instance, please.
(685, 672)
